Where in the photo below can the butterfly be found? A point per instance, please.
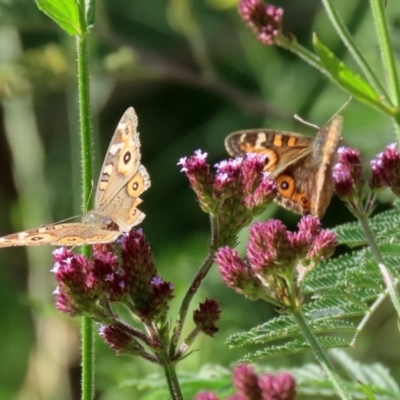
(300, 165)
(122, 180)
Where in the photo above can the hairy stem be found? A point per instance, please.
(320, 355)
(386, 272)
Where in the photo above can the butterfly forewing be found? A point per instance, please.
(121, 162)
(280, 148)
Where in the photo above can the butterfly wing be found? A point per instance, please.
(280, 148)
(301, 166)
(74, 234)
(123, 178)
(324, 154)
(287, 155)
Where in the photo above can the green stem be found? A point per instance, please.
(87, 336)
(306, 55)
(172, 380)
(85, 122)
(386, 271)
(367, 316)
(201, 274)
(388, 60)
(347, 39)
(320, 355)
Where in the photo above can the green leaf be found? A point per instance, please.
(294, 347)
(90, 12)
(345, 77)
(66, 13)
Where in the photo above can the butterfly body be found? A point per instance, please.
(301, 165)
(122, 180)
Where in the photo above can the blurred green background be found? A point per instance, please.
(194, 73)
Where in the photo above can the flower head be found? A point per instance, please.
(349, 181)
(237, 191)
(269, 247)
(250, 386)
(87, 287)
(245, 381)
(117, 337)
(348, 174)
(277, 259)
(281, 386)
(386, 169)
(206, 316)
(265, 20)
(236, 273)
(149, 293)
(200, 179)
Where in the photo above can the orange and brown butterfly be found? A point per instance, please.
(301, 165)
(122, 180)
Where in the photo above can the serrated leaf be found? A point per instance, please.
(294, 347)
(350, 234)
(66, 13)
(344, 76)
(276, 328)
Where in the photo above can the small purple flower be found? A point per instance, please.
(348, 175)
(282, 386)
(61, 254)
(200, 179)
(137, 264)
(235, 272)
(161, 294)
(105, 277)
(309, 227)
(323, 246)
(269, 247)
(206, 316)
(252, 171)
(228, 177)
(386, 169)
(262, 195)
(265, 20)
(245, 381)
(65, 304)
(118, 338)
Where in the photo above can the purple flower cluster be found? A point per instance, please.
(350, 183)
(249, 386)
(237, 191)
(89, 287)
(264, 19)
(275, 257)
(348, 174)
(386, 169)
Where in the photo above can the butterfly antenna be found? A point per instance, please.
(303, 121)
(341, 108)
(63, 220)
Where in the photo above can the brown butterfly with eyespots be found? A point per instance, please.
(301, 165)
(122, 180)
